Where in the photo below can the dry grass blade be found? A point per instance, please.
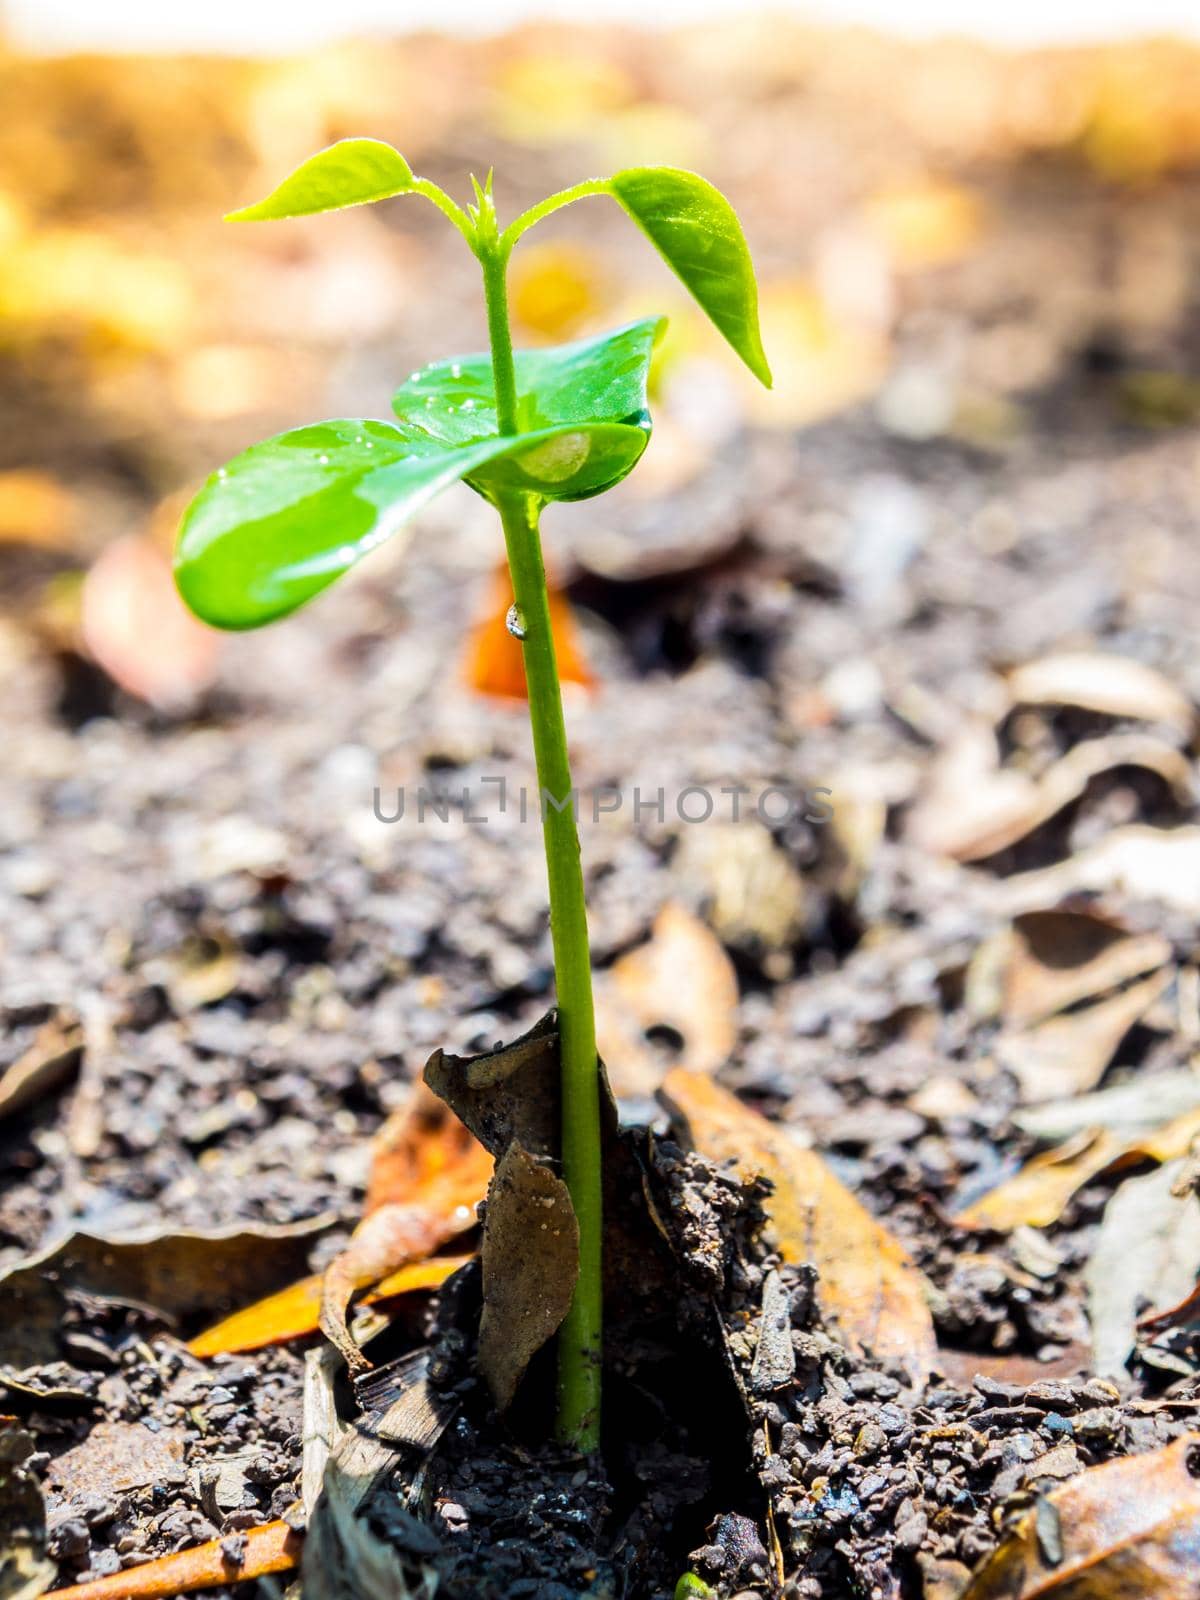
(867, 1280)
(1126, 1528)
(273, 1548)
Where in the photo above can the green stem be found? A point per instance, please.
(564, 197)
(424, 186)
(579, 1340)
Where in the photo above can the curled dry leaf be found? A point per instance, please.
(1137, 863)
(681, 979)
(1147, 1253)
(1039, 1194)
(974, 808)
(1055, 959)
(428, 1175)
(530, 1264)
(275, 1547)
(176, 1273)
(1126, 1528)
(49, 1061)
(868, 1282)
(138, 629)
(1114, 685)
(1069, 1054)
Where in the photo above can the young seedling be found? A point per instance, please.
(288, 516)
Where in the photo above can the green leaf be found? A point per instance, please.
(590, 380)
(287, 517)
(697, 233)
(352, 172)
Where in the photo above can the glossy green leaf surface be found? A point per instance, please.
(352, 172)
(287, 517)
(697, 233)
(602, 379)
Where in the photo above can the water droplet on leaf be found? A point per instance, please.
(323, 459)
(468, 405)
(515, 622)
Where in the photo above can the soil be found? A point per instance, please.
(261, 966)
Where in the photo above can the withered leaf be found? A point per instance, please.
(49, 1061)
(681, 979)
(1070, 1053)
(1060, 958)
(1129, 1527)
(511, 1094)
(530, 1264)
(1039, 1193)
(428, 1175)
(1147, 1252)
(867, 1280)
(1114, 685)
(176, 1273)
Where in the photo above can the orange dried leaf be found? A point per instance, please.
(273, 1548)
(867, 1279)
(494, 664)
(1129, 1527)
(293, 1312)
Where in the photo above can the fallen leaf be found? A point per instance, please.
(1038, 1195)
(680, 979)
(974, 808)
(530, 1260)
(120, 1456)
(176, 1273)
(1138, 862)
(494, 664)
(1114, 685)
(1059, 958)
(1128, 1527)
(1070, 1054)
(1147, 1252)
(138, 629)
(294, 1312)
(867, 1280)
(1126, 1108)
(428, 1175)
(753, 895)
(274, 1547)
(49, 1061)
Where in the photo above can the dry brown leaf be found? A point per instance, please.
(1038, 1195)
(428, 1175)
(494, 664)
(139, 630)
(1069, 1054)
(275, 1547)
(1126, 1528)
(974, 808)
(1058, 958)
(867, 1280)
(294, 1311)
(1147, 1252)
(1139, 862)
(49, 1061)
(1115, 685)
(530, 1260)
(681, 979)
